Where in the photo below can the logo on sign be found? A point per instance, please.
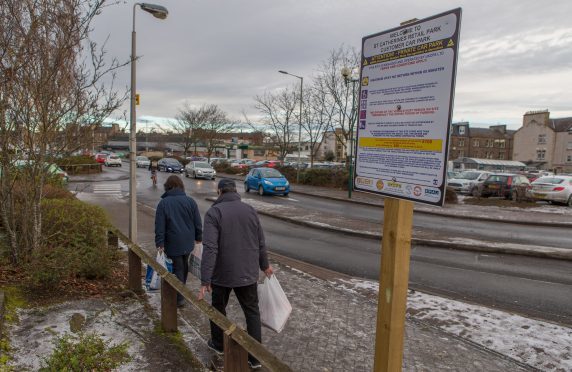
(379, 184)
(417, 191)
(364, 181)
(432, 193)
(408, 189)
(393, 184)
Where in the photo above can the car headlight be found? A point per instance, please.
(214, 172)
(199, 171)
(169, 168)
(268, 182)
(287, 183)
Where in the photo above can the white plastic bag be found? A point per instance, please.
(273, 303)
(165, 262)
(195, 260)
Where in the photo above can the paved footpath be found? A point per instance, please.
(330, 329)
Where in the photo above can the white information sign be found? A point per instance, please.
(405, 109)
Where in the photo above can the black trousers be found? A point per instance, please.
(248, 299)
(181, 271)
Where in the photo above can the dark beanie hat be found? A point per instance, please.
(226, 182)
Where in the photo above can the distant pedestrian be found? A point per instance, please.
(233, 253)
(178, 227)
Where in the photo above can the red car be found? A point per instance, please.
(266, 164)
(100, 158)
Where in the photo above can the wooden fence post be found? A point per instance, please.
(168, 307)
(393, 282)
(134, 272)
(235, 356)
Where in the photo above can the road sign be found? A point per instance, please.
(137, 99)
(405, 109)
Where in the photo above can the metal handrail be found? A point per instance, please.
(243, 339)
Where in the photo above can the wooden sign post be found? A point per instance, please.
(393, 282)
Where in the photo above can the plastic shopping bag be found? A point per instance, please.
(274, 306)
(195, 260)
(152, 280)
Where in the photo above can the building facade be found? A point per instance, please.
(544, 143)
(494, 142)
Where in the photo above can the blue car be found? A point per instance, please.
(266, 181)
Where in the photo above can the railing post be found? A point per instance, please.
(235, 356)
(134, 272)
(168, 307)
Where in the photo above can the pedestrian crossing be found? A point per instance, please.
(107, 189)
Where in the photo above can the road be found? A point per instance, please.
(531, 286)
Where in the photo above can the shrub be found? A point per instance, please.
(79, 164)
(75, 243)
(86, 352)
(337, 178)
(56, 191)
(451, 196)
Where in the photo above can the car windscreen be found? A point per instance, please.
(552, 180)
(202, 165)
(495, 178)
(270, 173)
(172, 162)
(469, 175)
(142, 158)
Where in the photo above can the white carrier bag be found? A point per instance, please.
(273, 303)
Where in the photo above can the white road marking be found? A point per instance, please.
(107, 189)
(291, 199)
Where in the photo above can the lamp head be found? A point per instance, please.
(158, 11)
(283, 72)
(346, 72)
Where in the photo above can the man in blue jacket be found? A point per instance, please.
(233, 253)
(178, 227)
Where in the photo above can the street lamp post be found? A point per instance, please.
(347, 74)
(300, 126)
(160, 12)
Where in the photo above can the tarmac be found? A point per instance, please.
(330, 328)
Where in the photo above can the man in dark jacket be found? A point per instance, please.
(233, 253)
(178, 227)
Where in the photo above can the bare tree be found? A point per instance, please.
(318, 115)
(58, 83)
(333, 84)
(278, 110)
(208, 124)
(188, 122)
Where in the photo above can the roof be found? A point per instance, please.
(503, 163)
(561, 125)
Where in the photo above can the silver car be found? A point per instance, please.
(556, 189)
(200, 169)
(468, 182)
(142, 162)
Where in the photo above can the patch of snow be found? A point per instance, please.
(539, 344)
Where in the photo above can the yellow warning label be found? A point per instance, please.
(365, 81)
(434, 145)
(451, 43)
(365, 62)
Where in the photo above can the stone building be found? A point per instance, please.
(544, 143)
(494, 142)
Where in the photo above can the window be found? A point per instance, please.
(540, 154)
(569, 158)
(462, 130)
(502, 143)
(501, 156)
(461, 154)
(489, 143)
(569, 147)
(461, 142)
(541, 139)
(475, 143)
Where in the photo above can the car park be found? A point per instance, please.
(170, 165)
(200, 169)
(112, 160)
(142, 162)
(507, 185)
(556, 189)
(266, 181)
(468, 182)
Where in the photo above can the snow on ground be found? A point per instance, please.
(33, 339)
(539, 344)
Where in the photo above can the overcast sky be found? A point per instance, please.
(516, 55)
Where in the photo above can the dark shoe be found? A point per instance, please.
(212, 346)
(254, 365)
(181, 304)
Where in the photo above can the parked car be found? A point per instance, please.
(468, 182)
(200, 169)
(100, 157)
(169, 165)
(142, 162)
(507, 185)
(266, 181)
(242, 163)
(557, 189)
(266, 164)
(112, 161)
